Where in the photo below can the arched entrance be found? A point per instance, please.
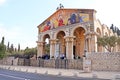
(61, 49)
(79, 42)
(46, 47)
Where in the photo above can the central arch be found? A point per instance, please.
(79, 42)
(61, 43)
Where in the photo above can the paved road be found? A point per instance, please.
(15, 75)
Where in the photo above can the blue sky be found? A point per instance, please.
(19, 18)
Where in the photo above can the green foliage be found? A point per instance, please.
(107, 42)
(8, 47)
(11, 49)
(115, 29)
(47, 48)
(118, 41)
(18, 47)
(2, 42)
(2, 49)
(29, 52)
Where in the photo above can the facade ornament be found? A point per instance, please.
(60, 6)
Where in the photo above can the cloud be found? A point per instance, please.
(2, 2)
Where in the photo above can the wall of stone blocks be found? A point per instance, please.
(105, 61)
(7, 61)
(21, 62)
(51, 63)
(75, 64)
(34, 62)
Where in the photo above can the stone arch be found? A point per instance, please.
(45, 36)
(98, 31)
(72, 32)
(79, 42)
(106, 34)
(61, 43)
(55, 35)
(99, 48)
(46, 45)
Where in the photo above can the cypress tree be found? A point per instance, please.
(111, 27)
(18, 47)
(8, 47)
(2, 49)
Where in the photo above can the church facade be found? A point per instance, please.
(71, 33)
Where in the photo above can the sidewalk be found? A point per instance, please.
(64, 72)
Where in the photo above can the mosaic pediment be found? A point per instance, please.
(62, 18)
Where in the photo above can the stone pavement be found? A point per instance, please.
(65, 72)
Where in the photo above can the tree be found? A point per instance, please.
(118, 32)
(47, 48)
(118, 41)
(2, 49)
(2, 42)
(111, 27)
(18, 47)
(11, 48)
(115, 29)
(30, 52)
(8, 47)
(107, 42)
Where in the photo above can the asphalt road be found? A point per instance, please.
(15, 75)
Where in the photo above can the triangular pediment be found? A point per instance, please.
(63, 17)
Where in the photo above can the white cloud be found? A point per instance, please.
(2, 2)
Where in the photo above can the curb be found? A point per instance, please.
(61, 72)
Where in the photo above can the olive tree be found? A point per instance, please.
(108, 42)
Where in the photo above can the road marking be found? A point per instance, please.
(20, 78)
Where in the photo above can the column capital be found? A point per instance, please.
(53, 41)
(69, 38)
(40, 43)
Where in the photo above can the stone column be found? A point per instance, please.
(69, 46)
(52, 47)
(40, 46)
(89, 41)
(88, 38)
(88, 45)
(57, 49)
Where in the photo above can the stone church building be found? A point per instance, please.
(71, 33)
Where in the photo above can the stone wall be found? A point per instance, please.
(21, 62)
(8, 61)
(58, 63)
(51, 63)
(99, 62)
(105, 61)
(34, 62)
(75, 64)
